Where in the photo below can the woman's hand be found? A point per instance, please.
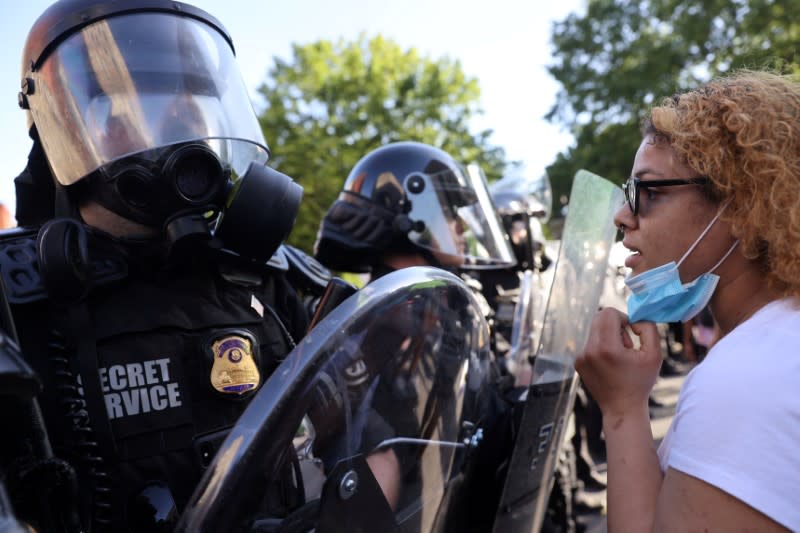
(619, 376)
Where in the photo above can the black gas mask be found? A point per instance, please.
(203, 211)
(187, 192)
(152, 187)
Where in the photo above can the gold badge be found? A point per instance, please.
(234, 371)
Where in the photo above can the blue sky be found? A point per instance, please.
(503, 43)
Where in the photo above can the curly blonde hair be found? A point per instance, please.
(743, 132)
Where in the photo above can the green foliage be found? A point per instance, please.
(335, 102)
(622, 56)
(359, 280)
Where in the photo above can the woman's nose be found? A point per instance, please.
(624, 217)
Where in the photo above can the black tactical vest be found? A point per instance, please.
(143, 378)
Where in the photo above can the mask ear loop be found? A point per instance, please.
(705, 231)
(724, 257)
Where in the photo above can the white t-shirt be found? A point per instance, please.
(737, 423)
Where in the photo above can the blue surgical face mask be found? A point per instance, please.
(658, 295)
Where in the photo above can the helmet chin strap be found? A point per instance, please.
(64, 204)
(34, 187)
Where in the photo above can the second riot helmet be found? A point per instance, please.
(412, 197)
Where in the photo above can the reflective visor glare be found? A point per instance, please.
(136, 82)
(490, 247)
(457, 222)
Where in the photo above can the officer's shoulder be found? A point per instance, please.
(23, 273)
(303, 271)
(300, 270)
(19, 266)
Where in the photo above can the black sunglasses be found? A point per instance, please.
(632, 185)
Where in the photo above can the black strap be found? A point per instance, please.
(63, 206)
(35, 189)
(82, 336)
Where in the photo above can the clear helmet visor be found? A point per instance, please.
(135, 82)
(460, 225)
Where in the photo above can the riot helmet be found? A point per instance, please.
(412, 197)
(524, 205)
(140, 106)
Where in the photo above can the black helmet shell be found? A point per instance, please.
(411, 197)
(65, 17)
(370, 215)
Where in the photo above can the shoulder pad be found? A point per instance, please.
(305, 272)
(279, 261)
(19, 267)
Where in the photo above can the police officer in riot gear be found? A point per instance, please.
(409, 203)
(523, 206)
(523, 216)
(139, 286)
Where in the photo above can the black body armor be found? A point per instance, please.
(143, 377)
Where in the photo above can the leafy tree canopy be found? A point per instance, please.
(335, 102)
(621, 56)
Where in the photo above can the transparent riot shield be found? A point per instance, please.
(577, 283)
(367, 422)
(526, 332)
(522, 330)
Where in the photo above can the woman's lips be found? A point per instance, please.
(634, 258)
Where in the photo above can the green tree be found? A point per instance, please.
(334, 102)
(621, 56)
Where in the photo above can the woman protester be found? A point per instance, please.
(712, 216)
